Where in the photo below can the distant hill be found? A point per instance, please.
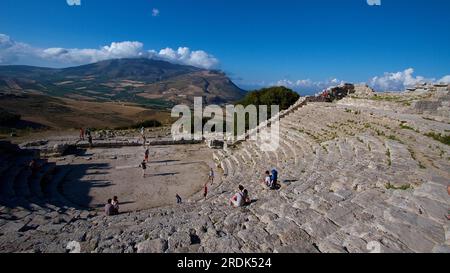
(151, 83)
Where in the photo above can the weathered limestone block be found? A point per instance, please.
(408, 235)
(344, 214)
(433, 191)
(431, 229)
(152, 246)
(253, 238)
(296, 247)
(179, 240)
(320, 228)
(223, 244)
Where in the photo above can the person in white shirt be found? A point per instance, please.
(268, 179)
(238, 199)
(144, 139)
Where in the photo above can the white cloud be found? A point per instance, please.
(155, 12)
(80, 56)
(183, 55)
(399, 81)
(12, 52)
(307, 85)
(445, 79)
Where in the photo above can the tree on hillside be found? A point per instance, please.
(278, 95)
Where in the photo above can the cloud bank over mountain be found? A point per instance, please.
(13, 52)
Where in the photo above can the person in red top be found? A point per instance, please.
(205, 192)
(34, 167)
(146, 154)
(81, 134)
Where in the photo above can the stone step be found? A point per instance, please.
(21, 186)
(52, 192)
(36, 181)
(301, 147)
(6, 161)
(248, 156)
(7, 180)
(228, 167)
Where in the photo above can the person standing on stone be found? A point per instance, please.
(90, 140)
(205, 190)
(211, 176)
(144, 140)
(146, 154)
(143, 167)
(34, 167)
(81, 134)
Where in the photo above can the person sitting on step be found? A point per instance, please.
(115, 204)
(238, 199)
(109, 209)
(274, 180)
(267, 179)
(246, 197)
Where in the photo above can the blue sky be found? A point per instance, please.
(257, 42)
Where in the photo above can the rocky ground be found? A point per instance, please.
(369, 172)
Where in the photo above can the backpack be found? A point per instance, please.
(274, 175)
(273, 179)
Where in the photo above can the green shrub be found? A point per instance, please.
(388, 154)
(405, 187)
(445, 139)
(406, 127)
(279, 95)
(395, 138)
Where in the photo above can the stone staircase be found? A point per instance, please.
(29, 202)
(338, 191)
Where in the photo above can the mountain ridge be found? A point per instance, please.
(137, 80)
